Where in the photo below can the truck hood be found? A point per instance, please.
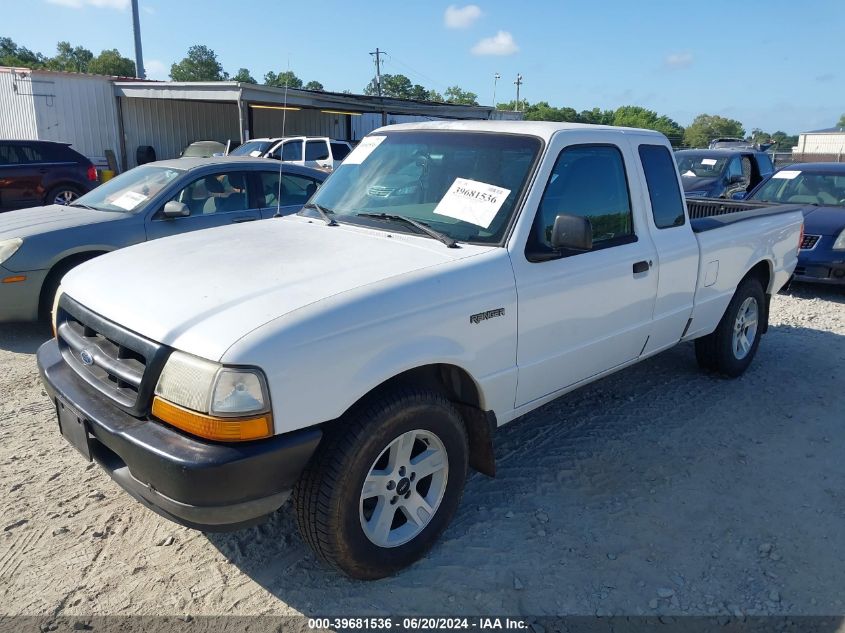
(201, 292)
(26, 222)
(824, 220)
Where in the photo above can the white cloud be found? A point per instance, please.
(678, 60)
(461, 17)
(148, 9)
(156, 69)
(502, 43)
(100, 4)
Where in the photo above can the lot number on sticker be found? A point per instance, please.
(788, 174)
(364, 149)
(708, 161)
(472, 201)
(129, 200)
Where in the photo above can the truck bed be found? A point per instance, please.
(706, 214)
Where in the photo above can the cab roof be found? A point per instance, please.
(542, 129)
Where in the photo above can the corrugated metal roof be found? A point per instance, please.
(827, 130)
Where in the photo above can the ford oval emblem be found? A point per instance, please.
(86, 357)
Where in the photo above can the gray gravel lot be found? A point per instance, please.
(657, 490)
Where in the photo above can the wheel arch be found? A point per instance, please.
(58, 269)
(458, 386)
(763, 271)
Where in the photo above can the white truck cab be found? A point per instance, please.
(446, 279)
(319, 152)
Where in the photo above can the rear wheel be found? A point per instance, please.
(731, 348)
(63, 194)
(384, 484)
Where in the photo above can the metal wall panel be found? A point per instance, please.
(366, 123)
(170, 125)
(82, 111)
(306, 122)
(17, 108)
(831, 143)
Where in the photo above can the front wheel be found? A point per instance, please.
(731, 348)
(384, 484)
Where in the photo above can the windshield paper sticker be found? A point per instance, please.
(708, 161)
(472, 201)
(364, 149)
(129, 200)
(787, 174)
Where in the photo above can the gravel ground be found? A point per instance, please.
(659, 490)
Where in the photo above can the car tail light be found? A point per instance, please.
(92, 173)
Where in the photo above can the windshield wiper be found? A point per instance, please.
(448, 241)
(324, 213)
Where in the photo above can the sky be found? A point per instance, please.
(771, 64)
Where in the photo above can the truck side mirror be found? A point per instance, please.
(175, 209)
(571, 232)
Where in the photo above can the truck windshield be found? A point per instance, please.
(700, 165)
(131, 191)
(252, 148)
(792, 186)
(462, 184)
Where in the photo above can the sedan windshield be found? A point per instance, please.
(793, 186)
(464, 185)
(131, 191)
(699, 165)
(252, 148)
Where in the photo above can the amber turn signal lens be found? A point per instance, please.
(14, 280)
(213, 428)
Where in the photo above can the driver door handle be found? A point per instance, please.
(641, 267)
(239, 220)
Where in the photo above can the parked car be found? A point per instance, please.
(203, 149)
(719, 173)
(319, 152)
(821, 187)
(33, 173)
(361, 358)
(38, 246)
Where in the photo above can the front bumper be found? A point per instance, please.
(821, 264)
(201, 484)
(19, 299)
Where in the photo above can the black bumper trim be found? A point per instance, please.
(198, 483)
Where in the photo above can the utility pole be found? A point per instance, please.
(496, 78)
(136, 29)
(377, 54)
(518, 83)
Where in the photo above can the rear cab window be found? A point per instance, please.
(667, 204)
(340, 150)
(316, 150)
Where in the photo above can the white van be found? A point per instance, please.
(320, 152)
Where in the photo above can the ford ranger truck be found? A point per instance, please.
(359, 356)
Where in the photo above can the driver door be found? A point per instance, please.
(214, 199)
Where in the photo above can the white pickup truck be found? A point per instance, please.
(445, 280)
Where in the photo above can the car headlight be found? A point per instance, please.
(839, 244)
(213, 401)
(9, 248)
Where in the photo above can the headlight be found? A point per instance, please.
(839, 244)
(213, 401)
(9, 248)
(55, 309)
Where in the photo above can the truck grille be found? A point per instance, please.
(809, 242)
(117, 362)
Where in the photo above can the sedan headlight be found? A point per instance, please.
(213, 401)
(9, 248)
(839, 244)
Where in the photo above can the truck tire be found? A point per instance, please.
(384, 483)
(731, 348)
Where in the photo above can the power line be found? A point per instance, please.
(413, 70)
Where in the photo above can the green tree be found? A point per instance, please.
(397, 86)
(200, 65)
(314, 85)
(111, 62)
(841, 121)
(13, 55)
(433, 95)
(244, 77)
(287, 78)
(454, 94)
(70, 59)
(706, 127)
